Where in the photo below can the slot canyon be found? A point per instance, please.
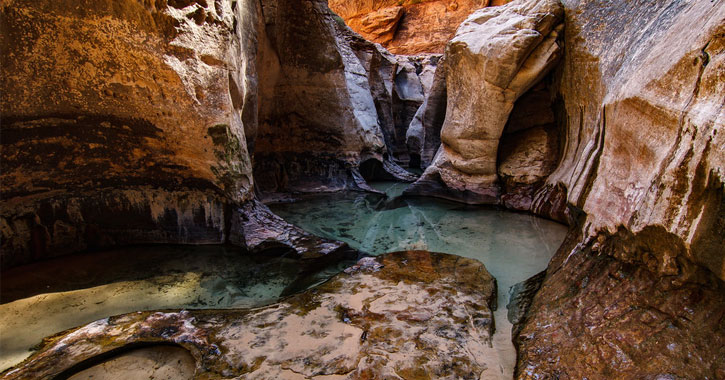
(362, 189)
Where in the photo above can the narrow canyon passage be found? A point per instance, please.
(362, 189)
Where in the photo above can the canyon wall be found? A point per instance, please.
(326, 103)
(140, 121)
(408, 26)
(637, 292)
(123, 122)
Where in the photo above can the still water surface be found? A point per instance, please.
(44, 298)
(512, 246)
(48, 297)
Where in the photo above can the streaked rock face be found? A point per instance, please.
(122, 122)
(129, 122)
(646, 152)
(637, 292)
(101, 94)
(405, 314)
(326, 106)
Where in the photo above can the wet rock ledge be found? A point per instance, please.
(413, 314)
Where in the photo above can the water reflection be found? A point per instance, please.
(513, 246)
(45, 298)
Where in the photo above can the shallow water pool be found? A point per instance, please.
(45, 298)
(513, 246)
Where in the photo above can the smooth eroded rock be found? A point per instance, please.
(496, 56)
(409, 314)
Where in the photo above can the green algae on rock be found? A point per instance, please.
(412, 314)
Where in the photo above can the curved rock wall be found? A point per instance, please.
(498, 54)
(637, 293)
(123, 122)
(644, 130)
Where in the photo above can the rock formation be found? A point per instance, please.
(406, 314)
(121, 123)
(637, 293)
(127, 123)
(325, 110)
(497, 55)
(407, 26)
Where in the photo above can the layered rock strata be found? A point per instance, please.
(408, 27)
(121, 123)
(407, 314)
(132, 122)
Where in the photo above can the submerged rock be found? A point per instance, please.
(405, 314)
(259, 230)
(520, 299)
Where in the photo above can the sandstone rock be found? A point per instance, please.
(379, 26)
(407, 314)
(637, 291)
(319, 120)
(125, 122)
(264, 231)
(599, 317)
(496, 56)
(121, 123)
(522, 294)
(155, 95)
(407, 26)
(162, 363)
(423, 134)
(534, 108)
(525, 160)
(528, 156)
(642, 132)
